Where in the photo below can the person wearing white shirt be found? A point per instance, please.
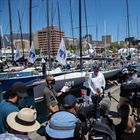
(96, 83)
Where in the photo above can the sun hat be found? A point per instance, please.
(69, 101)
(62, 125)
(24, 120)
(20, 89)
(125, 70)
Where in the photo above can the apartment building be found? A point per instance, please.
(107, 38)
(55, 36)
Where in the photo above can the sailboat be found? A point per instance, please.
(72, 80)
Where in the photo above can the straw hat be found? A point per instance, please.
(24, 120)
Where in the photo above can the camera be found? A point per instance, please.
(133, 90)
(135, 100)
(92, 115)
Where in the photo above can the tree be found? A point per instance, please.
(71, 47)
(116, 46)
(37, 51)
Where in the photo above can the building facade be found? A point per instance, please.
(70, 41)
(88, 38)
(55, 36)
(26, 46)
(107, 38)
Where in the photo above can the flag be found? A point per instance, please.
(32, 55)
(17, 54)
(61, 54)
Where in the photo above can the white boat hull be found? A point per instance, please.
(72, 80)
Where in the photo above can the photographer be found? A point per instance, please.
(100, 125)
(92, 110)
(124, 79)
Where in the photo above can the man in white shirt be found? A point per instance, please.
(96, 83)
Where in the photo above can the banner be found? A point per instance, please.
(17, 54)
(61, 54)
(32, 55)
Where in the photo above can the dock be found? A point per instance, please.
(115, 90)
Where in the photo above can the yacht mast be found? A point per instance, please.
(128, 25)
(30, 22)
(105, 36)
(11, 33)
(80, 33)
(2, 43)
(59, 20)
(86, 25)
(48, 33)
(137, 28)
(21, 34)
(72, 25)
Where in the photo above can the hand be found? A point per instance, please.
(31, 107)
(67, 89)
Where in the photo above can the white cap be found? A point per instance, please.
(125, 70)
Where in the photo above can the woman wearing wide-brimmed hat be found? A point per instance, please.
(20, 124)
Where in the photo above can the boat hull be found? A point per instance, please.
(72, 83)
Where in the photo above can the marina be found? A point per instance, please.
(65, 39)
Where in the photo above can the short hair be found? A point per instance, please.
(48, 77)
(10, 93)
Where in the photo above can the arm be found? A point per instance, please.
(51, 109)
(114, 82)
(59, 93)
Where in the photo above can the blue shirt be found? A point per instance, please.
(6, 108)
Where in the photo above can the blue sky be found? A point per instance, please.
(108, 15)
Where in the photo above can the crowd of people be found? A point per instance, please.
(67, 122)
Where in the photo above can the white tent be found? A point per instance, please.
(126, 51)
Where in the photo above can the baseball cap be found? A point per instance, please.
(69, 101)
(20, 89)
(96, 67)
(62, 125)
(125, 70)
